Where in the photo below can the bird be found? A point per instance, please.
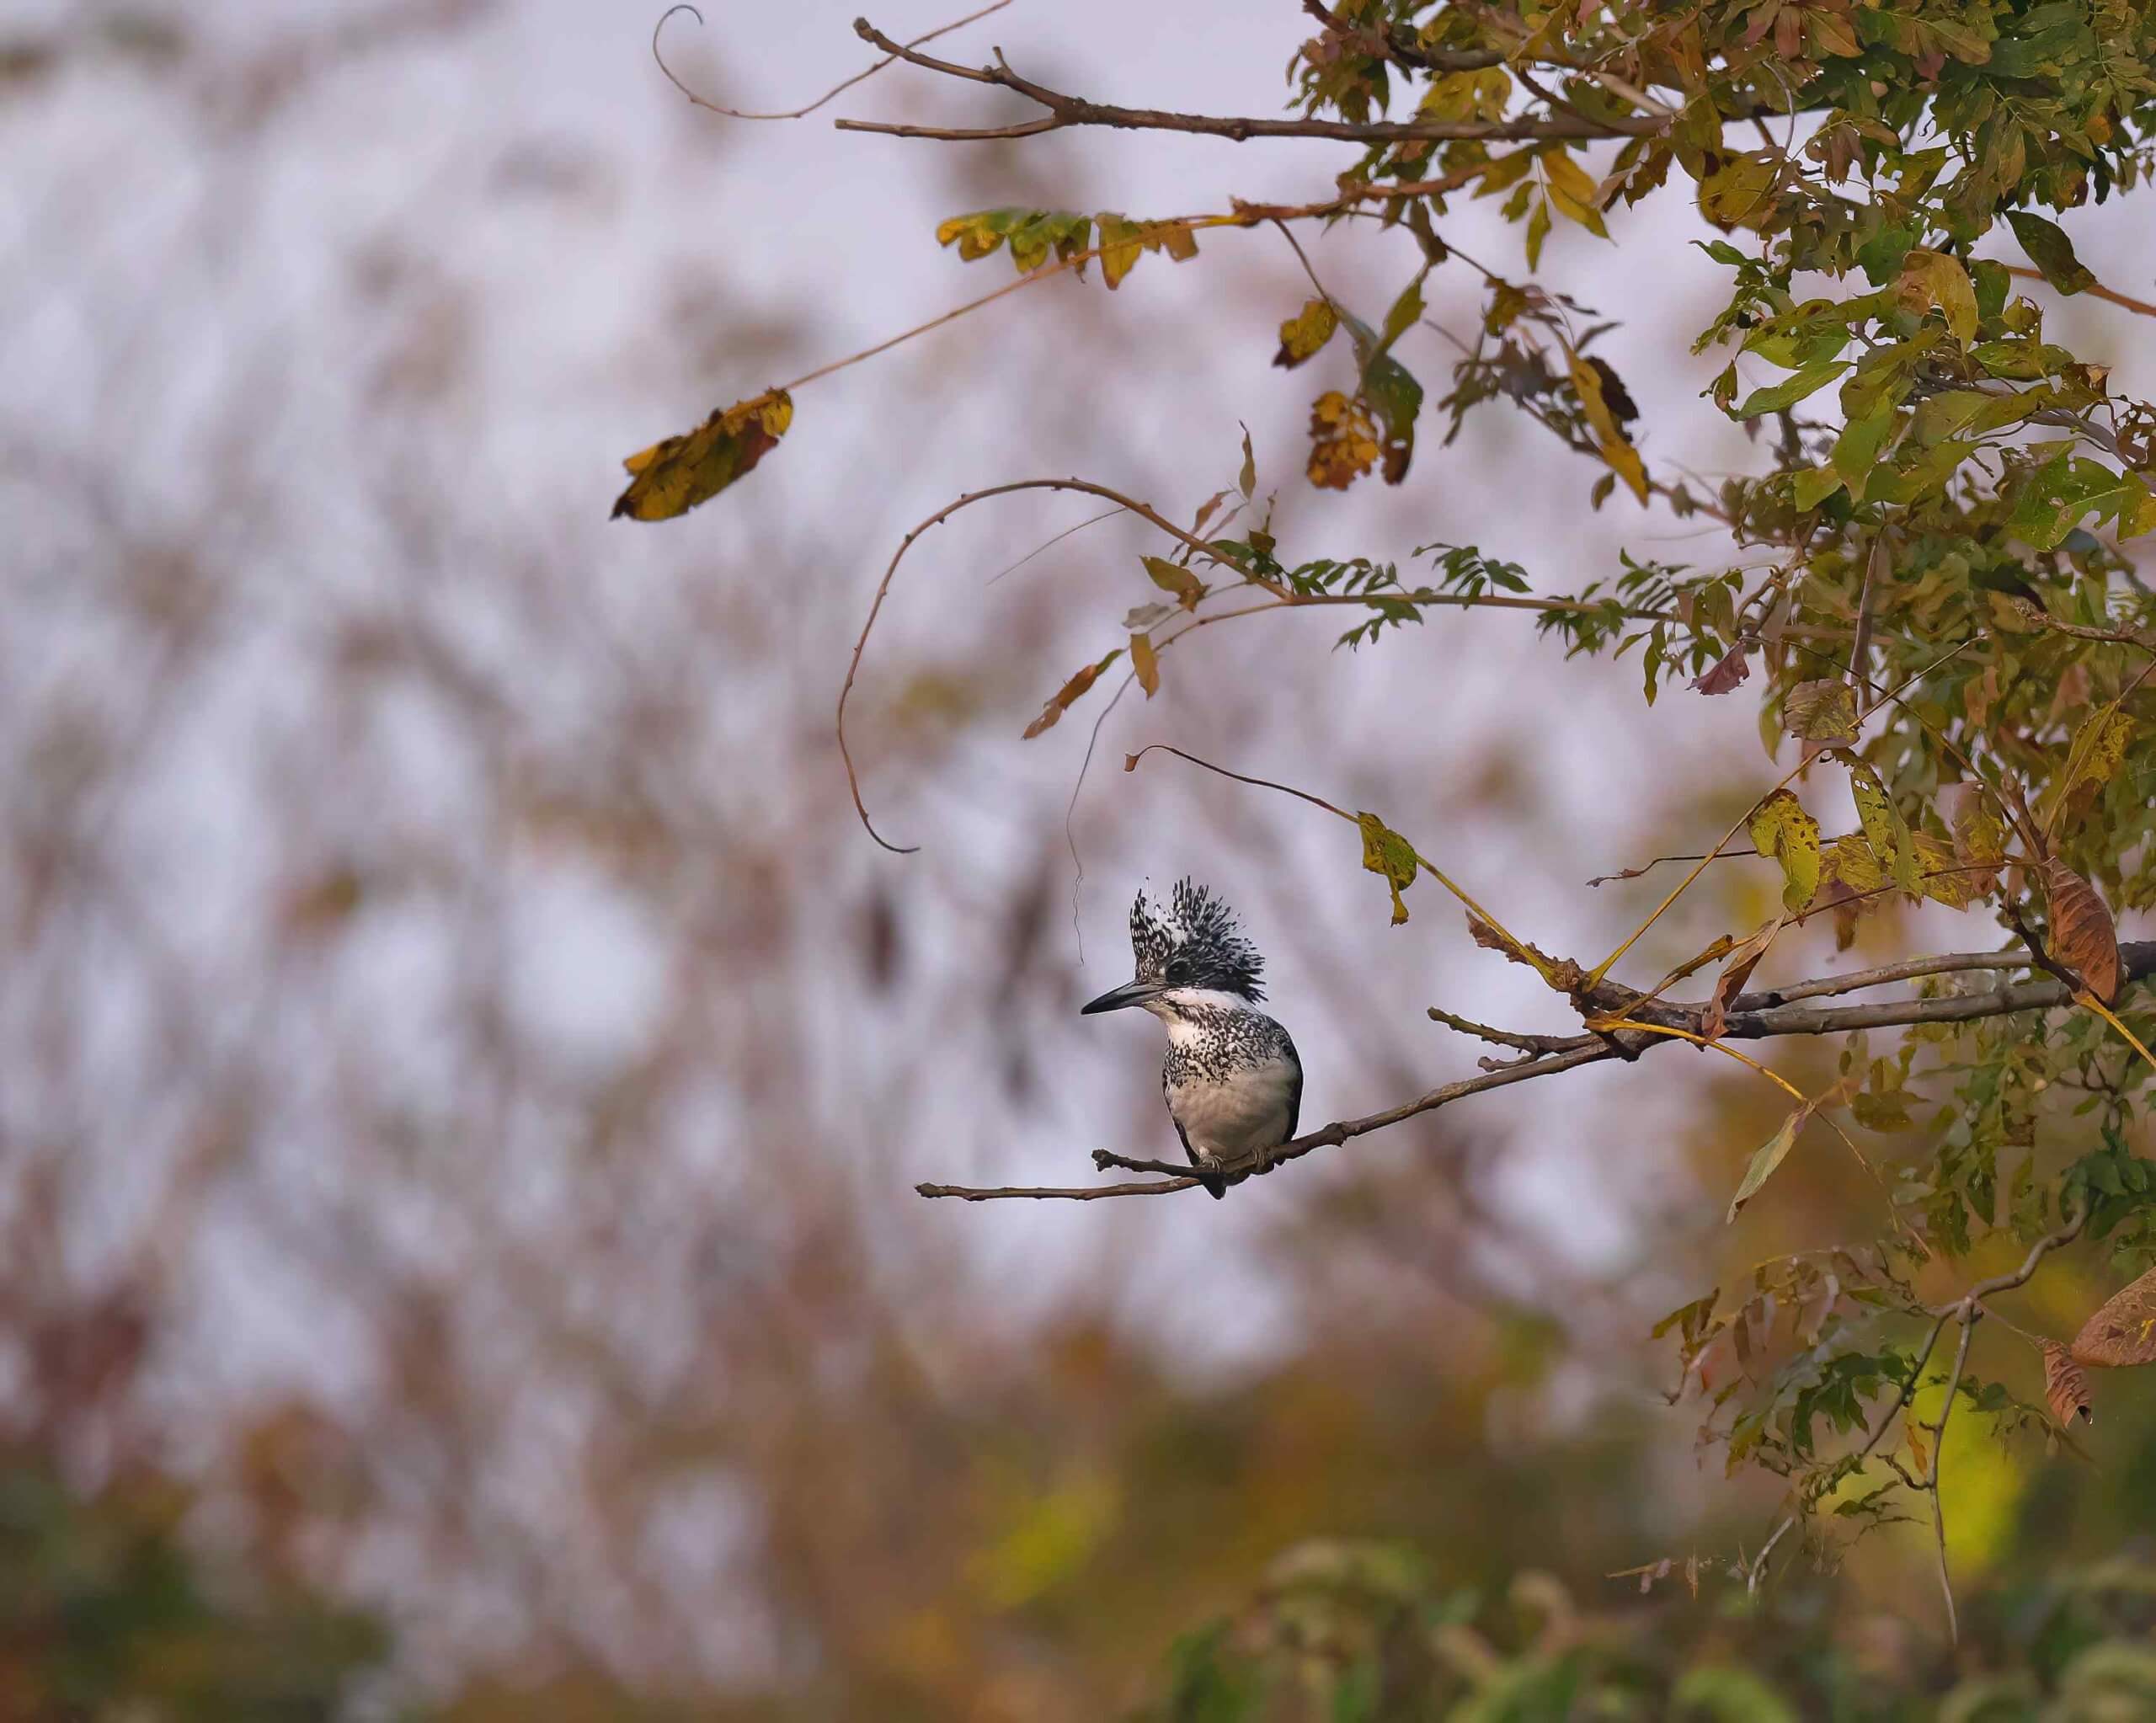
(1232, 1080)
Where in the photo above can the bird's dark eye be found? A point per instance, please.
(1177, 973)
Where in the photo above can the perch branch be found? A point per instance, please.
(1068, 110)
(2137, 960)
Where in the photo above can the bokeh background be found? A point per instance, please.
(464, 1069)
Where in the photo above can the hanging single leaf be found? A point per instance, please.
(2051, 251)
(1173, 576)
(1726, 673)
(2082, 934)
(1823, 711)
(1781, 829)
(1304, 334)
(672, 477)
(2065, 1386)
(1069, 695)
(1884, 828)
(2122, 1332)
(1389, 855)
(1768, 1155)
(1144, 663)
(1743, 959)
(1246, 479)
(1616, 448)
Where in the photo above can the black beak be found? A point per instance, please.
(1116, 999)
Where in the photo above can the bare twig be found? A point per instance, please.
(1145, 511)
(836, 89)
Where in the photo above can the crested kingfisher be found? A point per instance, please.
(1233, 1083)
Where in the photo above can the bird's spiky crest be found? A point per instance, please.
(1195, 941)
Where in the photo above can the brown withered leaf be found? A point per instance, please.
(1725, 673)
(1343, 441)
(1069, 695)
(1304, 334)
(2084, 936)
(1743, 959)
(2123, 1330)
(2065, 1386)
(672, 477)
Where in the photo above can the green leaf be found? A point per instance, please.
(1857, 448)
(1389, 855)
(1814, 485)
(2051, 251)
(1776, 396)
(1768, 1155)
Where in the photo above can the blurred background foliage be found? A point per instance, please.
(462, 1070)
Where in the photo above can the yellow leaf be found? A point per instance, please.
(1343, 441)
(1173, 576)
(1781, 829)
(1305, 332)
(1388, 854)
(672, 477)
(1145, 663)
(1623, 458)
(1932, 278)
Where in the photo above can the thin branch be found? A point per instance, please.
(1130, 763)
(2142, 305)
(2137, 961)
(1931, 1474)
(1503, 1037)
(1080, 1194)
(1067, 110)
(836, 89)
(1145, 511)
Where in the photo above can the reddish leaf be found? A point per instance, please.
(1726, 672)
(2064, 1385)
